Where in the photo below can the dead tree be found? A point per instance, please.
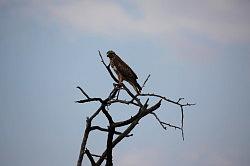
(114, 135)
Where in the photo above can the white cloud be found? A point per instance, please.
(188, 28)
(221, 21)
(183, 154)
(135, 157)
(103, 17)
(207, 155)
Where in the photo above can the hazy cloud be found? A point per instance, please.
(208, 155)
(145, 157)
(221, 21)
(186, 28)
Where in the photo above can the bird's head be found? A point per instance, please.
(110, 54)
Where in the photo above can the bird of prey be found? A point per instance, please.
(123, 71)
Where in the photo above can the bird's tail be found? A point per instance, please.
(136, 87)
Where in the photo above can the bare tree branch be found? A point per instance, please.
(168, 100)
(94, 155)
(106, 130)
(164, 124)
(143, 85)
(182, 122)
(123, 102)
(89, 100)
(111, 133)
(90, 157)
(84, 142)
(114, 136)
(85, 94)
(108, 68)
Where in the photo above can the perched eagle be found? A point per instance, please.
(123, 71)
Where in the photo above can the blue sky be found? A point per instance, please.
(192, 49)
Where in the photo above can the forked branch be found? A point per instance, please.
(114, 136)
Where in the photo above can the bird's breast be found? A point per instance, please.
(114, 67)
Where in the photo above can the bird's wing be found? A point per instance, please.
(124, 69)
